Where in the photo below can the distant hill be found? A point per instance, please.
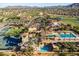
(17, 7)
(73, 5)
(21, 7)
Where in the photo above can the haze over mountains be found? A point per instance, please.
(73, 5)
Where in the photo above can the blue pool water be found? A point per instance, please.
(51, 36)
(46, 48)
(67, 35)
(7, 43)
(12, 41)
(42, 50)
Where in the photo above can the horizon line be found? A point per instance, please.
(3, 5)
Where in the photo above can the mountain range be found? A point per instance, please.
(73, 5)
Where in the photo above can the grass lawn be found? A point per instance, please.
(71, 20)
(67, 20)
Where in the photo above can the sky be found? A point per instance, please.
(2, 5)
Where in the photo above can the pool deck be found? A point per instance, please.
(50, 41)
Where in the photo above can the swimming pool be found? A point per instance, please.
(2, 40)
(43, 50)
(46, 48)
(67, 35)
(52, 35)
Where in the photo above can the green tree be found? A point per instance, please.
(13, 32)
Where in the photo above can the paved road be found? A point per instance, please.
(32, 21)
(3, 28)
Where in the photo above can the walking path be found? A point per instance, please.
(50, 41)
